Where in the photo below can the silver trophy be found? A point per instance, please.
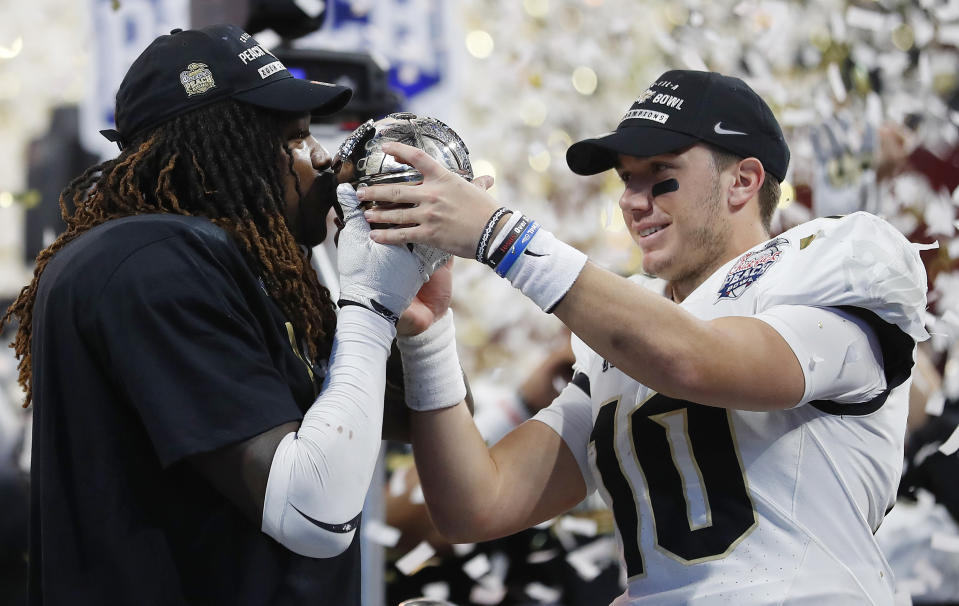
(361, 161)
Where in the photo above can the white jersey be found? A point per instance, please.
(717, 506)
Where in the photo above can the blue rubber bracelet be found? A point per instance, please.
(517, 249)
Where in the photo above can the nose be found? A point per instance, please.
(635, 198)
(320, 158)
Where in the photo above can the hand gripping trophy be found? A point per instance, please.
(360, 160)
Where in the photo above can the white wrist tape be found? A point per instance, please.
(432, 375)
(546, 270)
(321, 473)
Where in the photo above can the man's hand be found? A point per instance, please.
(430, 303)
(447, 212)
(381, 278)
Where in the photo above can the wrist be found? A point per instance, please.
(490, 230)
(537, 263)
(432, 375)
(354, 321)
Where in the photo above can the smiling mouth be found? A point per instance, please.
(651, 230)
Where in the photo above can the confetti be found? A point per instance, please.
(935, 404)
(477, 566)
(380, 533)
(416, 496)
(397, 484)
(488, 591)
(415, 558)
(545, 555)
(543, 594)
(951, 445)
(438, 590)
(590, 559)
(461, 549)
(577, 525)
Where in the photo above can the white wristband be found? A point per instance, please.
(432, 375)
(546, 270)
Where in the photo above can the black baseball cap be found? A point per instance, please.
(189, 69)
(684, 107)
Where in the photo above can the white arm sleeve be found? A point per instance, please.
(571, 416)
(839, 353)
(320, 474)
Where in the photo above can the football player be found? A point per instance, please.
(745, 423)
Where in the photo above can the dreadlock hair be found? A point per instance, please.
(180, 168)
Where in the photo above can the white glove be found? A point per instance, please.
(382, 278)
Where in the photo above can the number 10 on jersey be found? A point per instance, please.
(653, 448)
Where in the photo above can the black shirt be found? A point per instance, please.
(153, 341)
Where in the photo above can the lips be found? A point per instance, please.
(648, 230)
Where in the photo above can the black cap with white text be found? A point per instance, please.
(189, 69)
(684, 107)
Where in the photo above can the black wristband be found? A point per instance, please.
(488, 233)
(497, 255)
(375, 307)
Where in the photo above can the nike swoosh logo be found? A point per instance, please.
(338, 528)
(719, 130)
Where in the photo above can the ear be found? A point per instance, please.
(748, 176)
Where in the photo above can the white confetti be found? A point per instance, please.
(543, 594)
(477, 566)
(461, 549)
(544, 555)
(415, 558)
(589, 560)
(381, 533)
(416, 496)
(488, 591)
(398, 481)
(935, 404)
(581, 526)
(949, 34)
(584, 567)
(835, 83)
(437, 591)
(951, 445)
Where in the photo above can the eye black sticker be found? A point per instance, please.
(665, 187)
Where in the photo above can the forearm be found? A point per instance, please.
(320, 475)
(458, 477)
(663, 346)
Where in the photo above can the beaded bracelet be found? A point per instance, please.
(488, 233)
(517, 249)
(497, 254)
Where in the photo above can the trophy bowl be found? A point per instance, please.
(361, 161)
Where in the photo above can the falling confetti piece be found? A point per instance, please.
(380, 533)
(415, 558)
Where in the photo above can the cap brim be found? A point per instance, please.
(592, 156)
(298, 95)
